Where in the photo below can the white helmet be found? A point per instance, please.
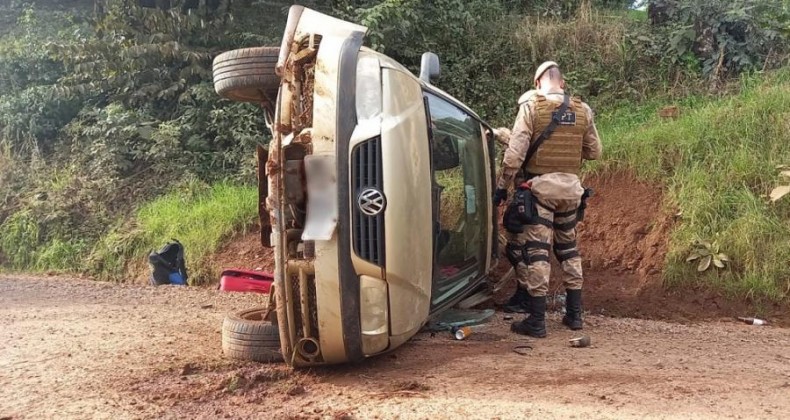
(542, 69)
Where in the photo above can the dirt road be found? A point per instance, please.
(80, 349)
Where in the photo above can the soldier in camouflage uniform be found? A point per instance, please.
(551, 175)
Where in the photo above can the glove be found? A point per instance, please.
(502, 135)
(500, 195)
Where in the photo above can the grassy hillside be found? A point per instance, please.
(718, 163)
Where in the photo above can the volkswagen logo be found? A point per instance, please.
(371, 201)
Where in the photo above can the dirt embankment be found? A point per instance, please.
(245, 251)
(623, 240)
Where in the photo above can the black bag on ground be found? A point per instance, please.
(168, 265)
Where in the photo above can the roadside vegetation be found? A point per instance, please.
(106, 106)
(112, 140)
(719, 161)
(199, 216)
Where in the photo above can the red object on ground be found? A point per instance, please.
(240, 280)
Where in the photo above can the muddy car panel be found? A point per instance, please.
(354, 231)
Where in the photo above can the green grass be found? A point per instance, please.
(19, 237)
(23, 249)
(453, 199)
(200, 218)
(61, 255)
(718, 163)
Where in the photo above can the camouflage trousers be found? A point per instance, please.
(555, 224)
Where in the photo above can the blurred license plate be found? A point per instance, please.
(321, 198)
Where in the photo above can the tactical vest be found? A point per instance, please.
(562, 151)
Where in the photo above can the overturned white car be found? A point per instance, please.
(375, 197)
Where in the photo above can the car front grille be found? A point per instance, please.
(369, 201)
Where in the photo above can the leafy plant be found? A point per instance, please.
(707, 254)
(725, 36)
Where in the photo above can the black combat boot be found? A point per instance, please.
(573, 309)
(518, 302)
(534, 325)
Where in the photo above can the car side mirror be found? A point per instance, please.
(429, 67)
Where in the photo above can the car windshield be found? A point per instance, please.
(459, 171)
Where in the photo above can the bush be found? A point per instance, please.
(489, 55)
(726, 37)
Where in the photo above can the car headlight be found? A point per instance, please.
(368, 87)
(373, 306)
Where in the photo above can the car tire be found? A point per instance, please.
(247, 74)
(247, 335)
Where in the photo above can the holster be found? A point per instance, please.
(588, 192)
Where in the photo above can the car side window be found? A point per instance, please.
(459, 168)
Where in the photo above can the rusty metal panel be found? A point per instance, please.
(263, 193)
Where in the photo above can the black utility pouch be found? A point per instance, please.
(526, 209)
(588, 192)
(511, 219)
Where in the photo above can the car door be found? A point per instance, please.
(459, 166)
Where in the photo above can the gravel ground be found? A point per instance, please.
(82, 349)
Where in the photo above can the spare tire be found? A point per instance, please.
(246, 335)
(247, 74)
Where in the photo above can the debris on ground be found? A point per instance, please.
(583, 341)
(523, 349)
(752, 321)
(296, 390)
(457, 318)
(243, 280)
(461, 333)
(269, 375)
(234, 382)
(410, 386)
